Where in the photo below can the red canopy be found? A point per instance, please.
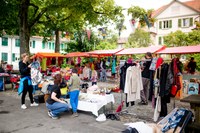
(47, 55)
(181, 50)
(105, 52)
(77, 54)
(142, 50)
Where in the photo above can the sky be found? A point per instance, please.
(146, 4)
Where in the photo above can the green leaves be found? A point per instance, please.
(139, 38)
(180, 38)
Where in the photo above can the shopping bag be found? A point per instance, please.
(174, 90)
(39, 98)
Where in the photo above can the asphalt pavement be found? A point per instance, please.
(35, 119)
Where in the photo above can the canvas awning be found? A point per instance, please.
(181, 50)
(79, 54)
(142, 50)
(101, 53)
(48, 55)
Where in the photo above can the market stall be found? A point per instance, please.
(50, 60)
(93, 102)
(104, 53)
(180, 50)
(142, 50)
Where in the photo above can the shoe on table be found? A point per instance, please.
(34, 104)
(23, 106)
(52, 116)
(75, 114)
(143, 103)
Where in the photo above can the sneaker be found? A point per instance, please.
(34, 104)
(23, 106)
(50, 114)
(75, 114)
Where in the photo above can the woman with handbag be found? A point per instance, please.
(54, 103)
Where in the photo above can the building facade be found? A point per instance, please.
(175, 16)
(10, 48)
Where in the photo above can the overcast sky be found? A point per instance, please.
(146, 4)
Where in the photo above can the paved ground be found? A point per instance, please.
(35, 119)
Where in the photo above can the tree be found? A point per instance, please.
(144, 16)
(32, 12)
(139, 38)
(180, 38)
(75, 17)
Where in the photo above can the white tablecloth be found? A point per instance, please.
(93, 102)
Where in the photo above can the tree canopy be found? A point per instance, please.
(139, 38)
(180, 38)
(49, 15)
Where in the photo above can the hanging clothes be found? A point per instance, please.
(133, 83)
(113, 65)
(123, 75)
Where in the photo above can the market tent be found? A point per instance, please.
(181, 50)
(105, 52)
(48, 55)
(79, 54)
(142, 50)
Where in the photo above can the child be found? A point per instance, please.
(74, 85)
(94, 77)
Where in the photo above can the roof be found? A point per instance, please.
(48, 55)
(181, 50)
(105, 52)
(141, 50)
(194, 4)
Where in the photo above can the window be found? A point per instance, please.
(185, 22)
(49, 45)
(13, 57)
(4, 41)
(4, 56)
(53, 45)
(165, 24)
(62, 46)
(43, 45)
(160, 40)
(17, 43)
(33, 44)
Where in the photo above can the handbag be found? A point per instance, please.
(174, 90)
(39, 98)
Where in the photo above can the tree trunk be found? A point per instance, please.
(57, 41)
(24, 31)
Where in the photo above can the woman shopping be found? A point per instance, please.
(25, 81)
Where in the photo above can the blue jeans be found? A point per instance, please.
(103, 75)
(57, 108)
(74, 100)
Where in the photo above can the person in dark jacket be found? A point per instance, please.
(55, 104)
(192, 66)
(24, 69)
(146, 79)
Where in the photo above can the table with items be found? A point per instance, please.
(93, 102)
